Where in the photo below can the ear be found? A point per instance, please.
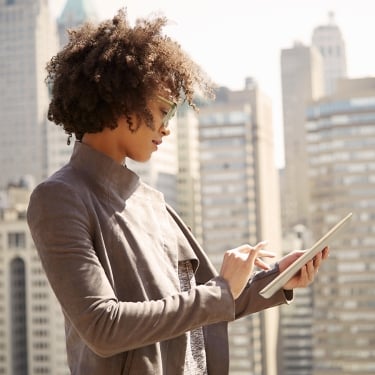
(136, 121)
(132, 122)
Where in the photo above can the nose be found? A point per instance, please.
(165, 131)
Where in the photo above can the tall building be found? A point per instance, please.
(302, 82)
(308, 73)
(341, 153)
(296, 320)
(331, 45)
(32, 337)
(28, 39)
(188, 179)
(240, 204)
(74, 14)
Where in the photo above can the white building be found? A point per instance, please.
(240, 204)
(189, 203)
(32, 337)
(74, 14)
(341, 149)
(296, 319)
(308, 74)
(302, 82)
(29, 144)
(329, 41)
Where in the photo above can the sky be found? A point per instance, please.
(232, 40)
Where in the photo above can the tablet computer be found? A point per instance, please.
(276, 284)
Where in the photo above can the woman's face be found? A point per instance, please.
(140, 144)
(121, 143)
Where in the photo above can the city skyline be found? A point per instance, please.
(247, 40)
(223, 182)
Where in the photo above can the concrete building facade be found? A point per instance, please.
(32, 336)
(302, 82)
(188, 179)
(341, 149)
(329, 41)
(29, 144)
(74, 14)
(240, 204)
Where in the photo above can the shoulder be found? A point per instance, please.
(60, 181)
(59, 191)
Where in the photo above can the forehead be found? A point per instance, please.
(166, 93)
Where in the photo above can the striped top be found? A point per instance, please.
(195, 359)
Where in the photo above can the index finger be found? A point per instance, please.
(256, 250)
(266, 253)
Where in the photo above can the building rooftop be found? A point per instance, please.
(76, 12)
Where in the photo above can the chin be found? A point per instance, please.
(141, 160)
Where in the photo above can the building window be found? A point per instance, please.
(18, 317)
(16, 240)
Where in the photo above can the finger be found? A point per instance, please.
(244, 249)
(257, 250)
(304, 276)
(261, 264)
(247, 248)
(317, 260)
(261, 245)
(266, 254)
(310, 270)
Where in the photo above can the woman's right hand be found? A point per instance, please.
(238, 265)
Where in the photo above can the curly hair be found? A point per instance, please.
(113, 69)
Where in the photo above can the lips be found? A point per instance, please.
(156, 142)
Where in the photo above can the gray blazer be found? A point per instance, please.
(110, 247)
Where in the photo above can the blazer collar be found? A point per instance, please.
(102, 171)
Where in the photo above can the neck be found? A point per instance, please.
(104, 142)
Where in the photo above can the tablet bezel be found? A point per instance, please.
(276, 284)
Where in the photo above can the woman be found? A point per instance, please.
(138, 293)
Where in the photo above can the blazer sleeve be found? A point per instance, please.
(251, 301)
(61, 226)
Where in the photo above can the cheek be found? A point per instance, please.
(140, 148)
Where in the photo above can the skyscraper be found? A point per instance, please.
(28, 39)
(32, 339)
(296, 320)
(331, 45)
(341, 153)
(188, 179)
(308, 73)
(240, 204)
(302, 82)
(31, 323)
(74, 14)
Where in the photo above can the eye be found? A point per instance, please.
(164, 111)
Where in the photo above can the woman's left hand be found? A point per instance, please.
(307, 273)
